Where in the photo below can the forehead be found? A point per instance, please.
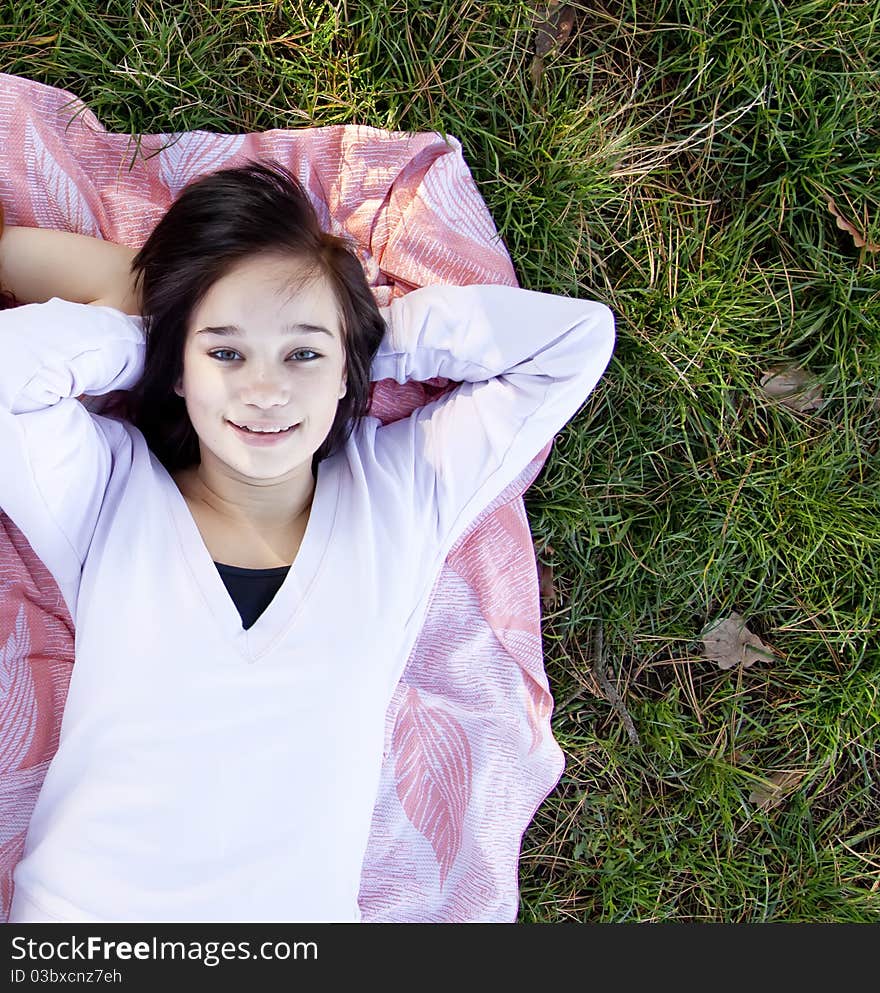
(264, 295)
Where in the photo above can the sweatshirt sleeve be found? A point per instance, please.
(526, 362)
(57, 457)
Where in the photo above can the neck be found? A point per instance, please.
(266, 507)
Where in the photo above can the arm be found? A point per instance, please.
(57, 458)
(37, 264)
(526, 362)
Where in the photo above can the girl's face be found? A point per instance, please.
(280, 363)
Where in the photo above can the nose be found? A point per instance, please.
(265, 388)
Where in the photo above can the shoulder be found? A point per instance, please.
(125, 303)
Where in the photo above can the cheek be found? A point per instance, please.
(203, 384)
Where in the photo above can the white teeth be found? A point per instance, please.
(263, 430)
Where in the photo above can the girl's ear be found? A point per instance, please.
(178, 387)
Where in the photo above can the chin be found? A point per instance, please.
(268, 468)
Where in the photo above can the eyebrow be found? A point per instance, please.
(234, 331)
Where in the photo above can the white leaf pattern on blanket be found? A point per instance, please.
(18, 794)
(55, 199)
(433, 776)
(441, 191)
(18, 705)
(10, 853)
(311, 183)
(539, 706)
(193, 154)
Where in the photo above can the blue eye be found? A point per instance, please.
(230, 351)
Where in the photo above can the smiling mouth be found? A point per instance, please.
(270, 433)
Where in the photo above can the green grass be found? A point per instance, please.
(673, 160)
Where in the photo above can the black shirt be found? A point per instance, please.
(251, 590)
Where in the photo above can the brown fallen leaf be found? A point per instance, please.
(545, 582)
(778, 786)
(730, 643)
(850, 228)
(553, 25)
(793, 387)
(546, 587)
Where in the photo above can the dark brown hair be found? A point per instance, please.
(217, 222)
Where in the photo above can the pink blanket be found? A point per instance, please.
(469, 751)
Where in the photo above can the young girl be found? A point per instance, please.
(247, 555)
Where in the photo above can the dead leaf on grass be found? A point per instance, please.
(846, 225)
(730, 643)
(546, 586)
(553, 26)
(778, 786)
(793, 387)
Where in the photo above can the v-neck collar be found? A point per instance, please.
(287, 603)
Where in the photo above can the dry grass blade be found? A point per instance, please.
(608, 688)
(46, 39)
